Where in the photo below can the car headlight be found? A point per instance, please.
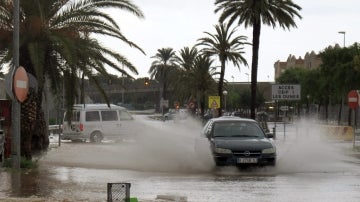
(269, 150)
(222, 150)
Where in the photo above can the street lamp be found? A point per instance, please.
(225, 94)
(343, 33)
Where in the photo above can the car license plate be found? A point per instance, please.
(247, 160)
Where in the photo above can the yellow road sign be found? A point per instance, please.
(214, 102)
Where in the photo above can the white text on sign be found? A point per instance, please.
(286, 92)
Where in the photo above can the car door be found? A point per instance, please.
(128, 128)
(110, 123)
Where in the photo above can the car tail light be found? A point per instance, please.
(81, 127)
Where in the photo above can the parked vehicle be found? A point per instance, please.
(239, 141)
(170, 115)
(176, 114)
(95, 122)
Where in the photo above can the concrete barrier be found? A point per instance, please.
(345, 133)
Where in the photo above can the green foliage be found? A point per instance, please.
(226, 48)
(24, 163)
(55, 42)
(252, 13)
(338, 71)
(337, 75)
(308, 79)
(163, 67)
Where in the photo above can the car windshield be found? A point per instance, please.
(237, 129)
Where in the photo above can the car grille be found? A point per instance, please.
(247, 153)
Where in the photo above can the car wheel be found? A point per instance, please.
(96, 137)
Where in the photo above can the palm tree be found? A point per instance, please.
(161, 68)
(195, 76)
(187, 57)
(254, 13)
(226, 49)
(185, 61)
(55, 45)
(199, 78)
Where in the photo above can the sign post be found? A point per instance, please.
(285, 92)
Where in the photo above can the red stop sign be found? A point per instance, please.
(21, 84)
(353, 99)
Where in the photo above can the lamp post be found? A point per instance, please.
(225, 94)
(343, 33)
(342, 98)
(308, 103)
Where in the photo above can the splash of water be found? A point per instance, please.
(173, 147)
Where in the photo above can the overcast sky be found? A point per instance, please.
(179, 23)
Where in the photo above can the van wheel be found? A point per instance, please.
(96, 137)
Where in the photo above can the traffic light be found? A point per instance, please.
(146, 81)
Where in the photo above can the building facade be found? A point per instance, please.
(311, 61)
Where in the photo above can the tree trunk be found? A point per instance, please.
(340, 110)
(34, 137)
(221, 86)
(254, 66)
(27, 120)
(40, 136)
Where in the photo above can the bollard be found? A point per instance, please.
(274, 132)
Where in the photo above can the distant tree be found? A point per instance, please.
(309, 80)
(199, 80)
(161, 68)
(185, 61)
(225, 48)
(339, 72)
(254, 13)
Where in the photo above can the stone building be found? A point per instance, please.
(311, 61)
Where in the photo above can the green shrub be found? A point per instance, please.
(24, 163)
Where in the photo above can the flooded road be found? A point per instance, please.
(162, 161)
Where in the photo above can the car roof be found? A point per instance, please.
(232, 118)
(96, 106)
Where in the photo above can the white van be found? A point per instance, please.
(95, 122)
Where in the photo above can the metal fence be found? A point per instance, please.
(118, 192)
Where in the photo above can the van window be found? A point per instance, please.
(124, 115)
(92, 116)
(109, 116)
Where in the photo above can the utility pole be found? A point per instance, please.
(15, 146)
